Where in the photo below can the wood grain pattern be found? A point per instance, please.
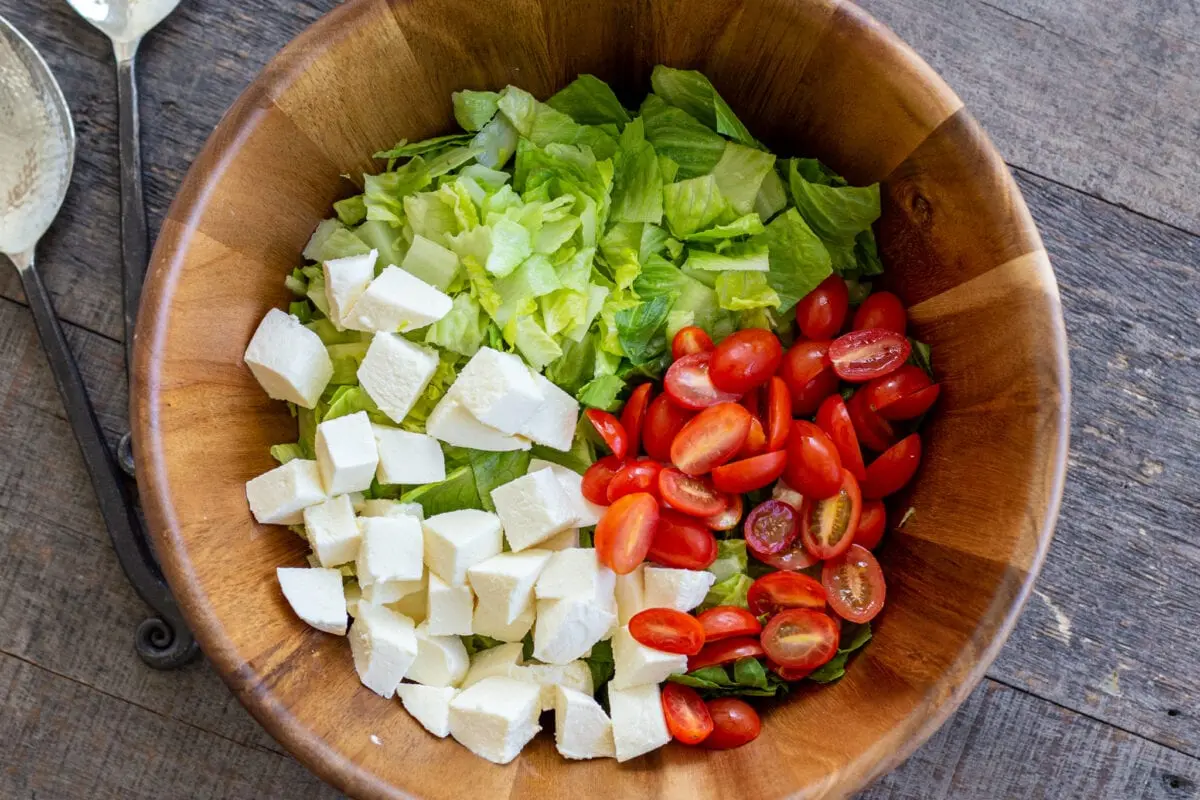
(192, 398)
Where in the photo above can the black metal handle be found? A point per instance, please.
(135, 241)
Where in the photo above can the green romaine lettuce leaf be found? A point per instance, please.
(462, 330)
(741, 290)
(637, 194)
(798, 259)
(747, 225)
(436, 144)
(729, 592)
(740, 174)
(835, 213)
(640, 329)
(693, 205)
(389, 241)
(746, 677)
(453, 494)
(731, 559)
(772, 197)
(602, 392)
(283, 453)
(535, 345)
(496, 469)
(346, 360)
(692, 147)
(601, 663)
(589, 101)
(751, 256)
(333, 240)
(432, 263)
(692, 92)
(495, 144)
(854, 637)
(384, 193)
(352, 210)
(473, 110)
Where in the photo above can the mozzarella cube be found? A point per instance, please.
(288, 360)
(566, 629)
(449, 608)
(631, 594)
(279, 497)
(353, 597)
(561, 541)
(428, 705)
(453, 424)
(577, 675)
(532, 508)
(506, 581)
(457, 540)
(553, 424)
(581, 728)
(638, 723)
(495, 661)
(412, 605)
(587, 513)
(346, 453)
(397, 301)
(316, 596)
(345, 281)
(395, 372)
(576, 573)
(635, 664)
(406, 457)
(383, 593)
(495, 718)
(498, 389)
(490, 621)
(680, 589)
(441, 660)
(384, 646)
(392, 549)
(357, 501)
(333, 531)
(391, 508)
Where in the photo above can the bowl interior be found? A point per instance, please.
(809, 78)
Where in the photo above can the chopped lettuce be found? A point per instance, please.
(741, 290)
(461, 331)
(473, 110)
(854, 637)
(456, 492)
(693, 205)
(835, 213)
(692, 92)
(729, 592)
(690, 146)
(731, 559)
(640, 329)
(751, 256)
(740, 174)
(798, 259)
(637, 194)
(602, 392)
(495, 469)
(384, 193)
(746, 676)
(589, 101)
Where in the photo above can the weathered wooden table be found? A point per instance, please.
(1097, 693)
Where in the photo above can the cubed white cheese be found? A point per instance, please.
(357, 501)
(496, 717)
(681, 589)
(457, 540)
(449, 608)
(288, 360)
(397, 301)
(502, 660)
(576, 573)
(638, 723)
(395, 372)
(384, 646)
(587, 513)
(345, 281)
(489, 621)
(441, 660)
(553, 424)
(316, 596)
(391, 508)
(346, 453)
(392, 549)
(406, 457)
(383, 593)
(353, 597)
(506, 581)
(581, 728)
(453, 424)
(577, 675)
(333, 531)
(635, 664)
(561, 541)
(532, 508)
(279, 497)
(498, 389)
(630, 592)
(566, 629)
(413, 604)
(429, 705)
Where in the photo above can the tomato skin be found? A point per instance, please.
(827, 527)
(777, 591)
(735, 723)
(597, 478)
(871, 524)
(663, 421)
(689, 383)
(874, 432)
(790, 674)
(693, 495)
(860, 356)
(690, 340)
(688, 718)
(634, 476)
(611, 431)
(821, 312)
(667, 630)
(808, 374)
(756, 440)
(772, 527)
(814, 467)
(881, 310)
(682, 542)
(745, 359)
(893, 469)
(794, 559)
(710, 438)
(855, 585)
(801, 638)
(724, 622)
(914, 405)
(779, 413)
(633, 416)
(749, 474)
(625, 532)
(729, 517)
(834, 419)
(724, 651)
(901, 394)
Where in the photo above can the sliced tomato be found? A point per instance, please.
(753, 401)
(809, 375)
(901, 394)
(710, 438)
(688, 383)
(693, 495)
(779, 413)
(635, 476)
(611, 431)
(827, 526)
(776, 591)
(625, 532)
(725, 651)
(855, 585)
(814, 467)
(664, 420)
(860, 356)
(598, 477)
(821, 312)
(881, 310)
(771, 528)
(729, 517)
(871, 524)
(689, 341)
(687, 715)
(724, 622)
(892, 470)
(800, 638)
(735, 723)
(834, 419)
(794, 559)
(749, 474)
(790, 674)
(667, 630)
(808, 398)
(914, 405)
(756, 440)
(745, 359)
(874, 432)
(633, 416)
(682, 542)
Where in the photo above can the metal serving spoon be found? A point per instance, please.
(37, 153)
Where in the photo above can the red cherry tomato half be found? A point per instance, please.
(635, 476)
(750, 473)
(745, 359)
(710, 438)
(888, 473)
(689, 341)
(598, 477)
(874, 432)
(692, 495)
(881, 310)
(794, 559)
(667, 630)
(688, 719)
(753, 400)
(625, 532)
(892, 396)
(777, 591)
(788, 673)
(914, 405)
(682, 542)
(689, 384)
(633, 416)
(871, 524)
(771, 528)
(814, 467)
(800, 638)
(827, 527)
(724, 651)
(663, 421)
(809, 376)
(834, 419)
(854, 583)
(724, 622)
(729, 517)
(860, 356)
(779, 413)
(821, 312)
(611, 431)
(735, 723)
(756, 440)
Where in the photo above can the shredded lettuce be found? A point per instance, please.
(589, 101)
(692, 92)
(473, 110)
(693, 205)
(798, 259)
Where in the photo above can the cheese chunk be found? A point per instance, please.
(503, 661)
(316, 596)
(638, 723)
(332, 531)
(681, 589)
(353, 597)
(397, 301)
(441, 660)
(631, 594)
(566, 629)
(428, 705)
(489, 621)
(532, 508)
(561, 541)
(505, 582)
(635, 664)
(581, 728)
(346, 453)
(495, 718)
(457, 540)
(383, 593)
(391, 508)
(449, 608)
(384, 646)
(279, 497)
(395, 372)
(498, 389)
(392, 550)
(288, 360)
(453, 424)
(405, 457)
(554, 422)
(587, 513)
(577, 675)
(345, 281)
(412, 605)
(576, 573)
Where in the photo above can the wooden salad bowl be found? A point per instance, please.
(809, 77)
